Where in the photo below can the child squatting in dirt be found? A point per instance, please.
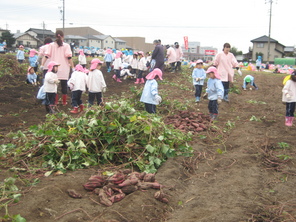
(289, 97)
(215, 92)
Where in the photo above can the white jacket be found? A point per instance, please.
(290, 89)
(95, 81)
(49, 83)
(82, 59)
(117, 63)
(142, 64)
(78, 79)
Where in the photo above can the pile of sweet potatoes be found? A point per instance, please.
(114, 188)
(189, 121)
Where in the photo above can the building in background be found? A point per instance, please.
(41, 34)
(260, 47)
(138, 43)
(27, 40)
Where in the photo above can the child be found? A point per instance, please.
(249, 79)
(198, 76)
(20, 55)
(134, 63)
(82, 58)
(141, 67)
(126, 72)
(108, 59)
(33, 59)
(289, 97)
(117, 65)
(150, 92)
(77, 84)
(215, 92)
(50, 86)
(32, 78)
(95, 82)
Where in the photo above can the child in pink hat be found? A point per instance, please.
(33, 59)
(150, 92)
(215, 92)
(32, 77)
(82, 58)
(117, 63)
(77, 84)
(141, 67)
(198, 77)
(95, 82)
(20, 55)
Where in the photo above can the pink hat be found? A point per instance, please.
(109, 51)
(21, 46)
(79, 68)
(118, 54)
(86, 71)
(94, 63)
(141, 53)
(33, 52)
(51, 65)
(214, 70)
(155, 72)
(199, 61)
(30, 68)
(81, 52)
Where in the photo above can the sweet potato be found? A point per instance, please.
(92, 185)
(72, 193)
(103, 199)
(129, 182)
(149, 177)
(129, 189)
(117, 197)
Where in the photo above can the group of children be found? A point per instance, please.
(127, 64)
(215, 90)
(81, 78)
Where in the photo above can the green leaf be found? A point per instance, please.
(48, 173)
(18, 218)
(133, 118)
(161, 138)
(150, 148)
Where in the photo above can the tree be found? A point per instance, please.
(8, 37)
(235, 51)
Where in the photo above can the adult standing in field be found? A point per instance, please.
(42, 51)
(171, 55)
(225, 62)
(60, 52)
(157, 56)
(179, 55)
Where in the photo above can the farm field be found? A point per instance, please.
(242, 167)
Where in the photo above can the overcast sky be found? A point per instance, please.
(212, 22)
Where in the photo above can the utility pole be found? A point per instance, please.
(64, 17)
(43, 26)
(270, 10)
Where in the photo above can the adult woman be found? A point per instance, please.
(225, 62)
(42, 51)
(60, 52)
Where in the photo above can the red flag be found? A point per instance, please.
(186, 42)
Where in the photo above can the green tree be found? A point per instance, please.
(8, 37)
(235, 51)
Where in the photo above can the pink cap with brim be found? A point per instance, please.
(94, 63)
(21, 46)
(33, 52)
(109, 51)
(29, 68)
(214, 70)
(51, 65)
(141, 53)
(118, 54)
(199, 61)
(81, 52)
(79, 68)
(155, 72)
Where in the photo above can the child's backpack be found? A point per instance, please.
(41, 94)
(286, 79)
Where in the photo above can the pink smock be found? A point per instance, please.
(225, 64)
(61, 56)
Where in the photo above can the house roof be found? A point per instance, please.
(102, 37)
(75, 37)
(17, 35)
(119, 40)
(41, 31)
(264, 39)
(80, 31)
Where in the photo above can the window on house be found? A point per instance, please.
(260, 45)
(106, 41)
